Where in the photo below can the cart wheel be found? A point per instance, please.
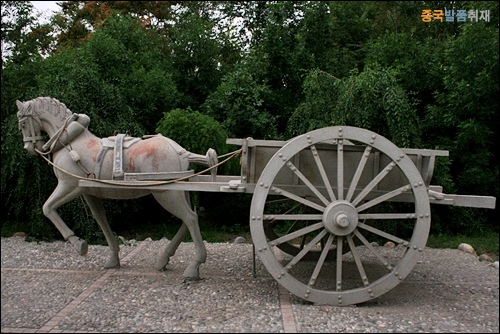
(303, 174)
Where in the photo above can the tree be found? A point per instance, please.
(371, 99)
(193, 131)
(240, 105)
(465, 114)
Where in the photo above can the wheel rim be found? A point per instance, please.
(338, 213)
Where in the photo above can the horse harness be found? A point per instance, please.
(118, 143)
(75, 125)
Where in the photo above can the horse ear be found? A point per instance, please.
(19, 104)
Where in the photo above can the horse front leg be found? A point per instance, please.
(99, 214)
(64, 193)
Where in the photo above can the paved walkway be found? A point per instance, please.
(40, 295)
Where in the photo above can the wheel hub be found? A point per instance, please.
(340, 218)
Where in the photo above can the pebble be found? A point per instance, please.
(466, 248)
(485, 257)
(240, 240)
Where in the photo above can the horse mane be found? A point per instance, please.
(41, 105)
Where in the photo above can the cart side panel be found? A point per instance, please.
(259, 155)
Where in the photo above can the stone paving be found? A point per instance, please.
(42, 292)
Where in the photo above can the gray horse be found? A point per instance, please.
(76, 152)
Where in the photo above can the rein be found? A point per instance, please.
(58, 134)
(142, 183)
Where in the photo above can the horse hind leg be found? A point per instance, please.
(99, 214)
(64, 193)
(172, 246)
(177, 204)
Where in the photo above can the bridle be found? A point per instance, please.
(36, 136)
(33, 135)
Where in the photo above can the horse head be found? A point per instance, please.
(43, 114)
(31, 127)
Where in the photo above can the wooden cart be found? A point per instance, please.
(339, 215)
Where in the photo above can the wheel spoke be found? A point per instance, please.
(357, 259)
(373, 250)
(339, 264)
(383, 198)
(291, 227)
(307, 183)
(359, 171)
(306, 249)
(321, 260)
(374, 183)
(298, 199)
(296, 234)
(382, 233)
(322, 172)
(286, 212)
(293, 217)
(386, 216)
(340, 168)
(303, 241)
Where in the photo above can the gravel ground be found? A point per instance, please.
(47, 287)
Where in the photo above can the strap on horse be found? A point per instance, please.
(118, 143)
(118, 157)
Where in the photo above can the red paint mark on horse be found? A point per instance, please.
(94, 146)
(150, 151)
(92, 143)
(131, 165)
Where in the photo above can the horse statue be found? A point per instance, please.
(77, 153)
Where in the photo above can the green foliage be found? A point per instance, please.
(124, 78)
(371, 99)
(483, 243)
(284, 69)
(193, 131)
(199, 58)
(465, 115)
(240, 105)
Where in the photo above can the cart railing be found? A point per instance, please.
(256, 154)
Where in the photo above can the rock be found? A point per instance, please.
(495, 264)
(240, 240)
(390, 244)
(466, 248)
(148, 239)
(374, 244)
(20, 234)
(485, 257)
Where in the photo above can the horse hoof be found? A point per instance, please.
(192, 271)
(113, 261)
(161, 264)
(112, 265)
(81, 247)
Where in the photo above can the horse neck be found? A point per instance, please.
(51, 123)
